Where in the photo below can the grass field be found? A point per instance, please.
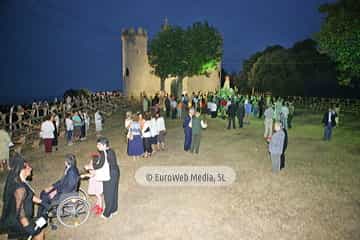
(317, 196)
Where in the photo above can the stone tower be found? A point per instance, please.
(137, 73)
(137, 76)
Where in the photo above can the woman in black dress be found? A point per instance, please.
(17, 216)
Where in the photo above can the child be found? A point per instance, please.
(95, 187)
(69, 125)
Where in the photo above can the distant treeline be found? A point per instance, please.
(297, 71)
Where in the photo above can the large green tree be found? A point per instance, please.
(167, 53)
(184, 53)
(339, 37)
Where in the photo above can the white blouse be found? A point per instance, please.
(153, 128)
(148, 133)
(47, 130)
(160, 123)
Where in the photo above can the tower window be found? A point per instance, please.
(127, 72)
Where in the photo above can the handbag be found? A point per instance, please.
(103, 173)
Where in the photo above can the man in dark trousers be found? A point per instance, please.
(329, 122)
(282, 157)
(231, 114)
(167, 106)
(261, 106)
(240, 113)
(187, 130)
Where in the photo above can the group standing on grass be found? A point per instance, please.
(145, 134)
(76, 125)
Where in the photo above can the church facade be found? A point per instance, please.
(137, 73)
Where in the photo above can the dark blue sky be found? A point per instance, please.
(49, 46)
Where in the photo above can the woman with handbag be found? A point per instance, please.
(107, 164)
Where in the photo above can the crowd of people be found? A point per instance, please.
(146, 134)
(14, 118)
(76, 126)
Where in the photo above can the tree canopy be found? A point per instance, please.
(177, 52)
(299, 70)
(339, 38)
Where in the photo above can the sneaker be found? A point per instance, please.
(114, 213)
(106, 218)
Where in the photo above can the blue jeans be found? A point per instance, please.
(275, 162)
(327, 132)
(69, 136)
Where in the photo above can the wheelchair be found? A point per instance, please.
(71, 209)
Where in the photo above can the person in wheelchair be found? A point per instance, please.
(69, 183)
(17, 216)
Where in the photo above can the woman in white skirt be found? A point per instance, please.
(98, 122)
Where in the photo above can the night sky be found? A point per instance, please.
(49, 46)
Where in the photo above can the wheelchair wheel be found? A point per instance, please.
(73, 211)
(83, 194)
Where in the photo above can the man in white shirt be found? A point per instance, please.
(213, 109)
(284, 116)
(268, 114)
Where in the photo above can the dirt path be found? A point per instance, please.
(316, 197)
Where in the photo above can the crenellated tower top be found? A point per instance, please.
(131, 32)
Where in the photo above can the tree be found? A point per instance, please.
(166, 53)
(77, 93)
(185, 53)
(275, 71)
(317, 71)
(339, 38)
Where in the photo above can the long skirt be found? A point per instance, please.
(135, 146)
(48, 144)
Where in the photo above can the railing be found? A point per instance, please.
(26, 128)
